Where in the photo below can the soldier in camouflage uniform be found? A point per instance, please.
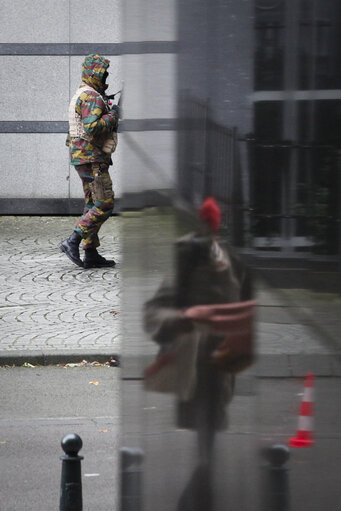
(92, 124)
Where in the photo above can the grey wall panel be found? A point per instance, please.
(40, 207)
(193, 57)
(150, 83)
(215, 60)
(26, 21)
(159, 124)
(81, 49)
(116, 168)
(34, 166)
(95, 21)
(148, 160)
(34, 126)
(149, 20)
(230, 80)
(76, 190)
(34, 88)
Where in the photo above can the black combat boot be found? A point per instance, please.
(92, 259)
(70, 247)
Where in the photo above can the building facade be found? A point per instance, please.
(267, 69)
(271, 70)
(297, 106)
(42, 46)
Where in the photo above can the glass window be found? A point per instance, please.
(316, 50)
(319, 43)
(269, 45)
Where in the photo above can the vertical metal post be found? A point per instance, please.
(207, 188)
(234, 170)
(71, 482)
(251, 158)
(339, 212)
(290, 122)
(131, 479)
(292, 195)
(275, 491)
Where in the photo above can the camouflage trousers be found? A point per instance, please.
(96, 209)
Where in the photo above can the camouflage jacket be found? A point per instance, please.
(97, 119)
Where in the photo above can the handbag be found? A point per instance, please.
(234, 322)
(174, 369)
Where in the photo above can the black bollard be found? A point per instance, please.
(275, 491)
(131, 479)
(71, 482)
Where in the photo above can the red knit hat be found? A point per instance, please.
(210, 213)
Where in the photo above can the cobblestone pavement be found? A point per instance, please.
(48, 305)
(46, 302)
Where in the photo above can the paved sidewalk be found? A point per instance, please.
(52, 311)
(49, 306)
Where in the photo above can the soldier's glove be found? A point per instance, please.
(115, 108)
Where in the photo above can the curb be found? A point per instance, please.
(266, 365)
(41, 358)
(297, 365)
(330, 339)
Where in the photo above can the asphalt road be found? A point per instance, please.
(263, 412)
(42, 404)
(39, 406)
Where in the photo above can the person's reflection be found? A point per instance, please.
(193, 308)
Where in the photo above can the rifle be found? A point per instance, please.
(112, 106)
(112, 96)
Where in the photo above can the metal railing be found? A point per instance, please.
(273, 195)
(209, 164)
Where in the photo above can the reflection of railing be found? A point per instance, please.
(209, 164)
(284, 196)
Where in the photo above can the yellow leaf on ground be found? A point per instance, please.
(94, 382)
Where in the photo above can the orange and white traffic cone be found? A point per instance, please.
(304, 435)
